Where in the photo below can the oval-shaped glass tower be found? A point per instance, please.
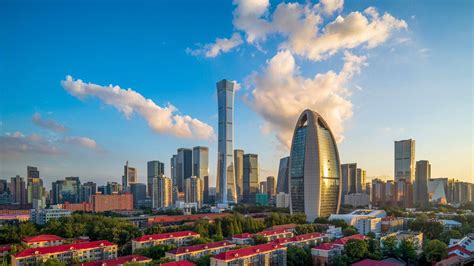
(315, 169)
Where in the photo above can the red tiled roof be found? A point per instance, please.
(62, 248)
(117, 262)
(297, 238)
(188, 249)
(273, 232)
(5, 248)
(326, 246)
(178, 263)
(42, 238)
(248, 251)
(461, 249)
(344, 240)
(369, 262)
(165, 236)
(242, 236)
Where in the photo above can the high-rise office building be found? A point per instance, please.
(250, 182)
(422, 175)
(201, 168)
(263, 187)
(404, 163)
(36, 193)
(225, 181)
(18, 190)
(87, 190)
(174, 168)
(283, 172)
(378, 192)
(239, 173)
(67, 190)
(32, 172)
(113, 188)
(348, 178)
(162, 196)
(154, 169)
(130, 176)
(138, 191)
(404, 193)
(315, 170)
(184, 167)
(360, 180)
(390, 192)
(271, 186)
(194, 190)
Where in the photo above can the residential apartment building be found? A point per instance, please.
(42, 241)
(197, 251)
(264, 254)
(177, 238)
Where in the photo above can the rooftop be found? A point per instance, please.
(42, 238)
(369, 262)
(185, 218)
(165, 236)
(297, 238)
(201, 247)
(178, 263)
(247, 251)
(272, 232)
(243, 236)
(117, 262)
(62, 248)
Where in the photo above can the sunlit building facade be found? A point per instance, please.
(315, 179)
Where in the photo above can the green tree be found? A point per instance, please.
(321, 220)
(258, 239)
(218, 236)
(54, 262)
(339, 223)
(356, 249)
(200, 240)
(407, 250)
(202, 261)
(389, 247)
(435, 250)
(297, 256)
(155, 252)
(154, 229)
(374, 249)
(349, 231)
(447, 235)
(340, 260)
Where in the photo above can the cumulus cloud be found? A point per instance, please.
(220, 45)
(281, 93)
(331, 6)
(81, 141)
(48, 124)
(18, 143)
(165, 120)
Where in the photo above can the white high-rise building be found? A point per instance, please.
(404, 164)
(162, 192)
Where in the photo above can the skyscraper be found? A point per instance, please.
(315, 170)
(422, 175)
(184, 167)
(201, 168)
(162, 192)
(263, 189)
(173, 168)
(87, 190)
(194, 190)
(348, 178)
(138, 191)
(130, 175)
(271, 186)
(239, 173)
(154, 169)
(32, 172)
(250, 180)
(18, 190)
(360, 180)
(225, 181)
(36, 193)
(283, 172)
(404, 163)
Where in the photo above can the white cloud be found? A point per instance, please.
(17, 143)
(164, 120)
(48, 124)
(82, 141)
(280, 94)
(221, 45)
(331, 6)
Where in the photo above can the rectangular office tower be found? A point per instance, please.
(201, 168)
(184, 167)
(423, 174)
(251, 185)
(154, 169)
(130, 176)
(225, 181)
(239, 173)
(405, 160)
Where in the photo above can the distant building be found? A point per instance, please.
(357, 199)
(162, 196)
(314, 160)
(391, 224)
(67, 190)
(239, 173)
(463, 248)
(32, 172)
(174, 169)
(378, 192)
(251, 185)
(138, 191)
(261, 199)
(282, 200)
(271, 235)
(324, 253)
(113, 188)
(194, 187)
(68, 254)
(271, 186)
(283, 172)
(36, 193)
(197, 251)
(262, 187)
(438, 190)
(364, 220)
(348, 178)
(415, 237)
(264, 254)
(304, 240)
(18, 190)
(87, 190)
(114, 202)
(422, 175)
(130, 176)
(201, 169)
(154, 169)
(184, 167)
(226, 181)
(125, 260)
(42, 241)
(404, 193)
(43, 216)
(404, 163)
(179, 239)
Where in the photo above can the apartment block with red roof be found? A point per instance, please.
(271, 235)
(125, 260)
(464, 247)
(323, 254)
(264, 254)
(243, 239)
(392, 224)
(197, 251)
(178, 263)
(42, 241)
(87, 251)
(311, 239)
(177, 238)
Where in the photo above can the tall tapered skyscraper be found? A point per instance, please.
(225, 181)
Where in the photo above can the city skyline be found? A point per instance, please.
(68, 133)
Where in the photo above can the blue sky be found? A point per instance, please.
(415, 83)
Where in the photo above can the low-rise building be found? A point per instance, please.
(42, 216)
(282, 200)
(4, 251)
(392, 224)
(311, 239)
(42, 241)
(178, 263)
(125, 260)
(450, 224)
(367, 225)
(197, 251)
(87, 251)
(243, 239)
(271, 235)
(264, 254)
(177, 238)
(365, 220)
(464, 247)
(324, 253)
